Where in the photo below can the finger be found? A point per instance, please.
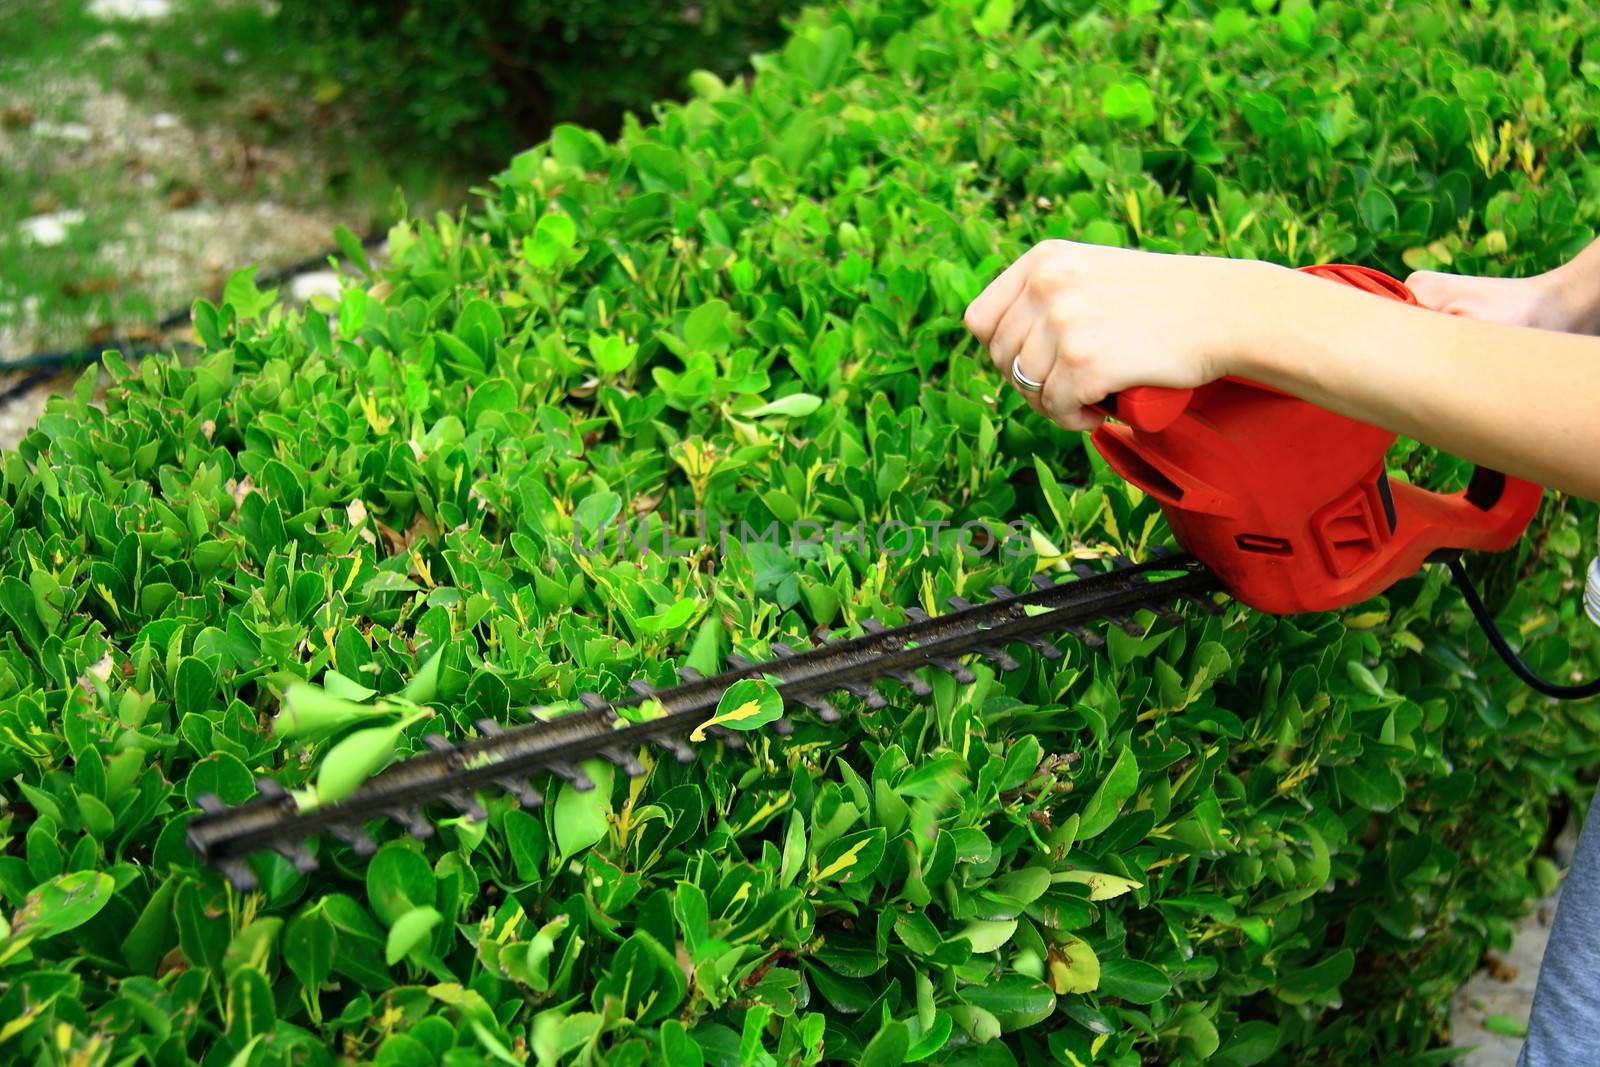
(983, 315)
(1037, 359)
(1013, 330)
(1063, 399)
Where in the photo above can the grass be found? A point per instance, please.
(211, 144)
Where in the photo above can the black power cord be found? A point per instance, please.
(1514, 661)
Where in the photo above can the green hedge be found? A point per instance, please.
(484, 79)
(1238, 840)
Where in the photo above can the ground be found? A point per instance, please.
(150, 147)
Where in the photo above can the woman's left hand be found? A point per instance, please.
(1085, 321)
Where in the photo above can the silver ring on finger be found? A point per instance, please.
(1025, 383)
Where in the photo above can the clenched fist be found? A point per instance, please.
(1082, 321)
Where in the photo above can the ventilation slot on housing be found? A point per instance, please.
(1272, 546)
(1137, 469)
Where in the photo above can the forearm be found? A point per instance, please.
(1523, 401)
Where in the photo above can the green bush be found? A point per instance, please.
(1237, 840)
(482, 80)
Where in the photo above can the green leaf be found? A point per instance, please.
(355, 759)
(1016, 1000)
(747, 704)
(1129, 100)
(1133, 980)
(987, 935)
(399, 880)
(308, 710)
(309, 944)
(241, 294)
(583, 817)
(61, 904)
(888, 1047)
(553, 240)
(1120, 783)
(1318, 982)
(1377, 211)
(797, 405)
(409, 931)
(994, 19)
(250, 1009)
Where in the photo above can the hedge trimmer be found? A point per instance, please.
(1283, 505)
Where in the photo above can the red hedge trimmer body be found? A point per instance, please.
(1290, 504)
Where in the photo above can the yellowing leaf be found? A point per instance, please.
(986, 935)
(748, 704)
(1074, 968)
(844, 862)
(1101, 886)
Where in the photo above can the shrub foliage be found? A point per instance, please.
(487, 78)
(1237, 840)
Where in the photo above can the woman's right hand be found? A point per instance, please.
(1544, 301)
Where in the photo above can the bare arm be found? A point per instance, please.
(1087, 321)
(1519, 399)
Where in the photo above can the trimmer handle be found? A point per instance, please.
(1291, 504)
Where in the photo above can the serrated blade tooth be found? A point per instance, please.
(1046, 648)
(955, 669)
(625, 760)
(466, 804)
(1001, 658)
(1121, 562)
(489, 728)
(642, 688)
(573, 775)
(958, 603)
(873, 626)
(675, 745)
(916, 614)
(271, 789)
(918, 687)
(412, 822)
(1001, 592)
(689, 674)
(825, 711)
(873, 698)
(297, 854)
(1128, 626)
(210, 804)
(242, 877)
(1089, 638)
(731, 738)
(738, 662)
(593, 701)
(360, 842)
(783, 650)
(526, 795)
(1043, 581)
(438, 743)
(1082, 569)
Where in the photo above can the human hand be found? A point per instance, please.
(1087, 321)
(1543, 301)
